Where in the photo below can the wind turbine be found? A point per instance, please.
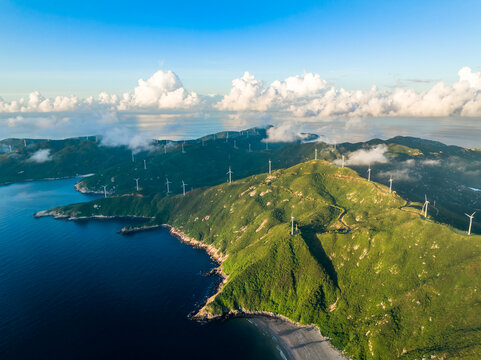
(470, 221)
(145, 164)
(270, 166)
(390, 184)
(137, 183)
(183, 151)
(10, 146)
(315, 154)
(133, 157)
(250, 150)
(230, 175)
(343, 159)
(369, 173)
(292, 225)
(167, 182)
(183, 187)
(235, 145)
(227, 136)
(165, 149)
(25, 142)
(105, 190)
(425, 206)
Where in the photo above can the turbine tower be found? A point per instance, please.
(250, 150)
(470, 221)
(227, 136)
(25, 142)
(137, 183)
(343, 160)
(10, 146)
(315, 154)
(133, 157)
(183, 187)
(230, 175)
(292, 225)
(270, 166)
(167, 182)
(369, 173)
(425, 206)
(105, 190)
(145, 164)
(183, 151)
(390, 184)
(165, 149)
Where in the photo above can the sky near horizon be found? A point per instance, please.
(260, 58)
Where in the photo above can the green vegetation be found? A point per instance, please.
(363, 265)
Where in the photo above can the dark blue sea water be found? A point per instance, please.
(79, 290)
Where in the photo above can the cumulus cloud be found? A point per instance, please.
(163, 90)
(309, 95)
(40, 156)
(121, 136)
(376, 154)
(285, 132)
(247, 93)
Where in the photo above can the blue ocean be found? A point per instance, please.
(80, 290)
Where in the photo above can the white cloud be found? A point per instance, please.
(163, 90)
(40, 156)
(285, 132)
(121, 136)
(376, 154)
(309, 95)
(431, 162)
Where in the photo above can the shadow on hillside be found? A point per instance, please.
(316, 249)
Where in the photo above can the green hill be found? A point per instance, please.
(375, 276)
(447, 174)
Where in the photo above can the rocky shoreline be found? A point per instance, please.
(309, 334)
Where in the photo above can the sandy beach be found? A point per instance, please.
(296, 342)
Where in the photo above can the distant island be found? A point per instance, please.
(383, 271)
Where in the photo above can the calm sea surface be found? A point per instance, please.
(73, 290)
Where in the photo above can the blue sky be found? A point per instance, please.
(84, 47)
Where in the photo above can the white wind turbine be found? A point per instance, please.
(425, 206)
(25, 142)
(230, 175)
(292, 225)
(137, 183)
(167, 183)
(105, 190)
(10, 146)
(369, 173)
(165, 149)
(250, 150)
(183, 150)
(343, 160)
(132, 156)
(470, 221)
(227, 136)
(390, 184)
(270, 166)
(183, 187)
(145, 164)
(315, 154)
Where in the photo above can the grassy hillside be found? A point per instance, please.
(380, 280)
(449, 175)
